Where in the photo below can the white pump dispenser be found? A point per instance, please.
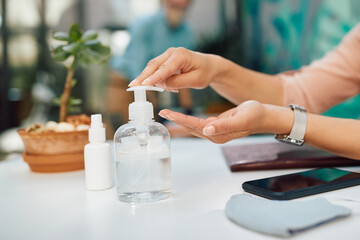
(142, 153)
(141, 109)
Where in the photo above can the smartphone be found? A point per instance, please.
(302, 184)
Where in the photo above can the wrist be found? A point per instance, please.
(220, 68)
(277, 120)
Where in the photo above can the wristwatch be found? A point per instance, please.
(297, 133)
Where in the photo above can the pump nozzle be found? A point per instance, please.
(141, 109)
(140, 92)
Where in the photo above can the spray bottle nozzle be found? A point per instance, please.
(96, 121)
(96, 130)
(140, 108)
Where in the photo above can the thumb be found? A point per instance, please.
(222, 126)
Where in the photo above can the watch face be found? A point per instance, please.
(288, 139)
(297, 107)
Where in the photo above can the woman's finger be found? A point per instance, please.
(192, 79)
(175, 81)
(223, 138)
(168, 68)
(194, 123)
(151, 67)
(226, 126)
(196, 133)
(211, 119)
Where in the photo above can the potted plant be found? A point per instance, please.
(55, 147)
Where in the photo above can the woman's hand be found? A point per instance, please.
(179, 68)
(238, 122)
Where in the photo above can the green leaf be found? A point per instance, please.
(59, 54)
(91, 42)
(57, 101)
(75, 101)
(84, 60)
(100, 49)
(60, 36)
(73, 82)
(60, 57)
(75, 32)
(72, 48)
(94, 57)
(73, 104)
(74, 110)
(89, 35)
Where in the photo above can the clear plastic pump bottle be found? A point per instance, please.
(142, 153)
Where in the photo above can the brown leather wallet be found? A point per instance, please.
(280, 156)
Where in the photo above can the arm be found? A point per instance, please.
(317, 87)
(340, 136)
(336, 135)
(328, 81)
(239, 84)
(199, 70)
(322, 84)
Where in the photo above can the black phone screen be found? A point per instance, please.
(303, 183)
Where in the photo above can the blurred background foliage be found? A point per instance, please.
(265, 35)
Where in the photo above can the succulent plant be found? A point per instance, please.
(78, 47)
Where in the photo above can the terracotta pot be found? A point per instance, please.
(54, 151)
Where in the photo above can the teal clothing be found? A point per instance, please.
(150, 37)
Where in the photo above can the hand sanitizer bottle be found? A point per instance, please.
(142, 153)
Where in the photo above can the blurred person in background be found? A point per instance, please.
(149, 37)
(261, 98)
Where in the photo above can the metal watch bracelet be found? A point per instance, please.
(298, 130)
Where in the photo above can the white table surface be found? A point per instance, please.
(57, 206)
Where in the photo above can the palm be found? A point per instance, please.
(235, 123)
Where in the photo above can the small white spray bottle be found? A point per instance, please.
(97, 157)
(142, 153)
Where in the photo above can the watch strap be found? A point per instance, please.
(298, 130)
(299, 127)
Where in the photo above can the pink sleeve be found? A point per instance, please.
(328, 81)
